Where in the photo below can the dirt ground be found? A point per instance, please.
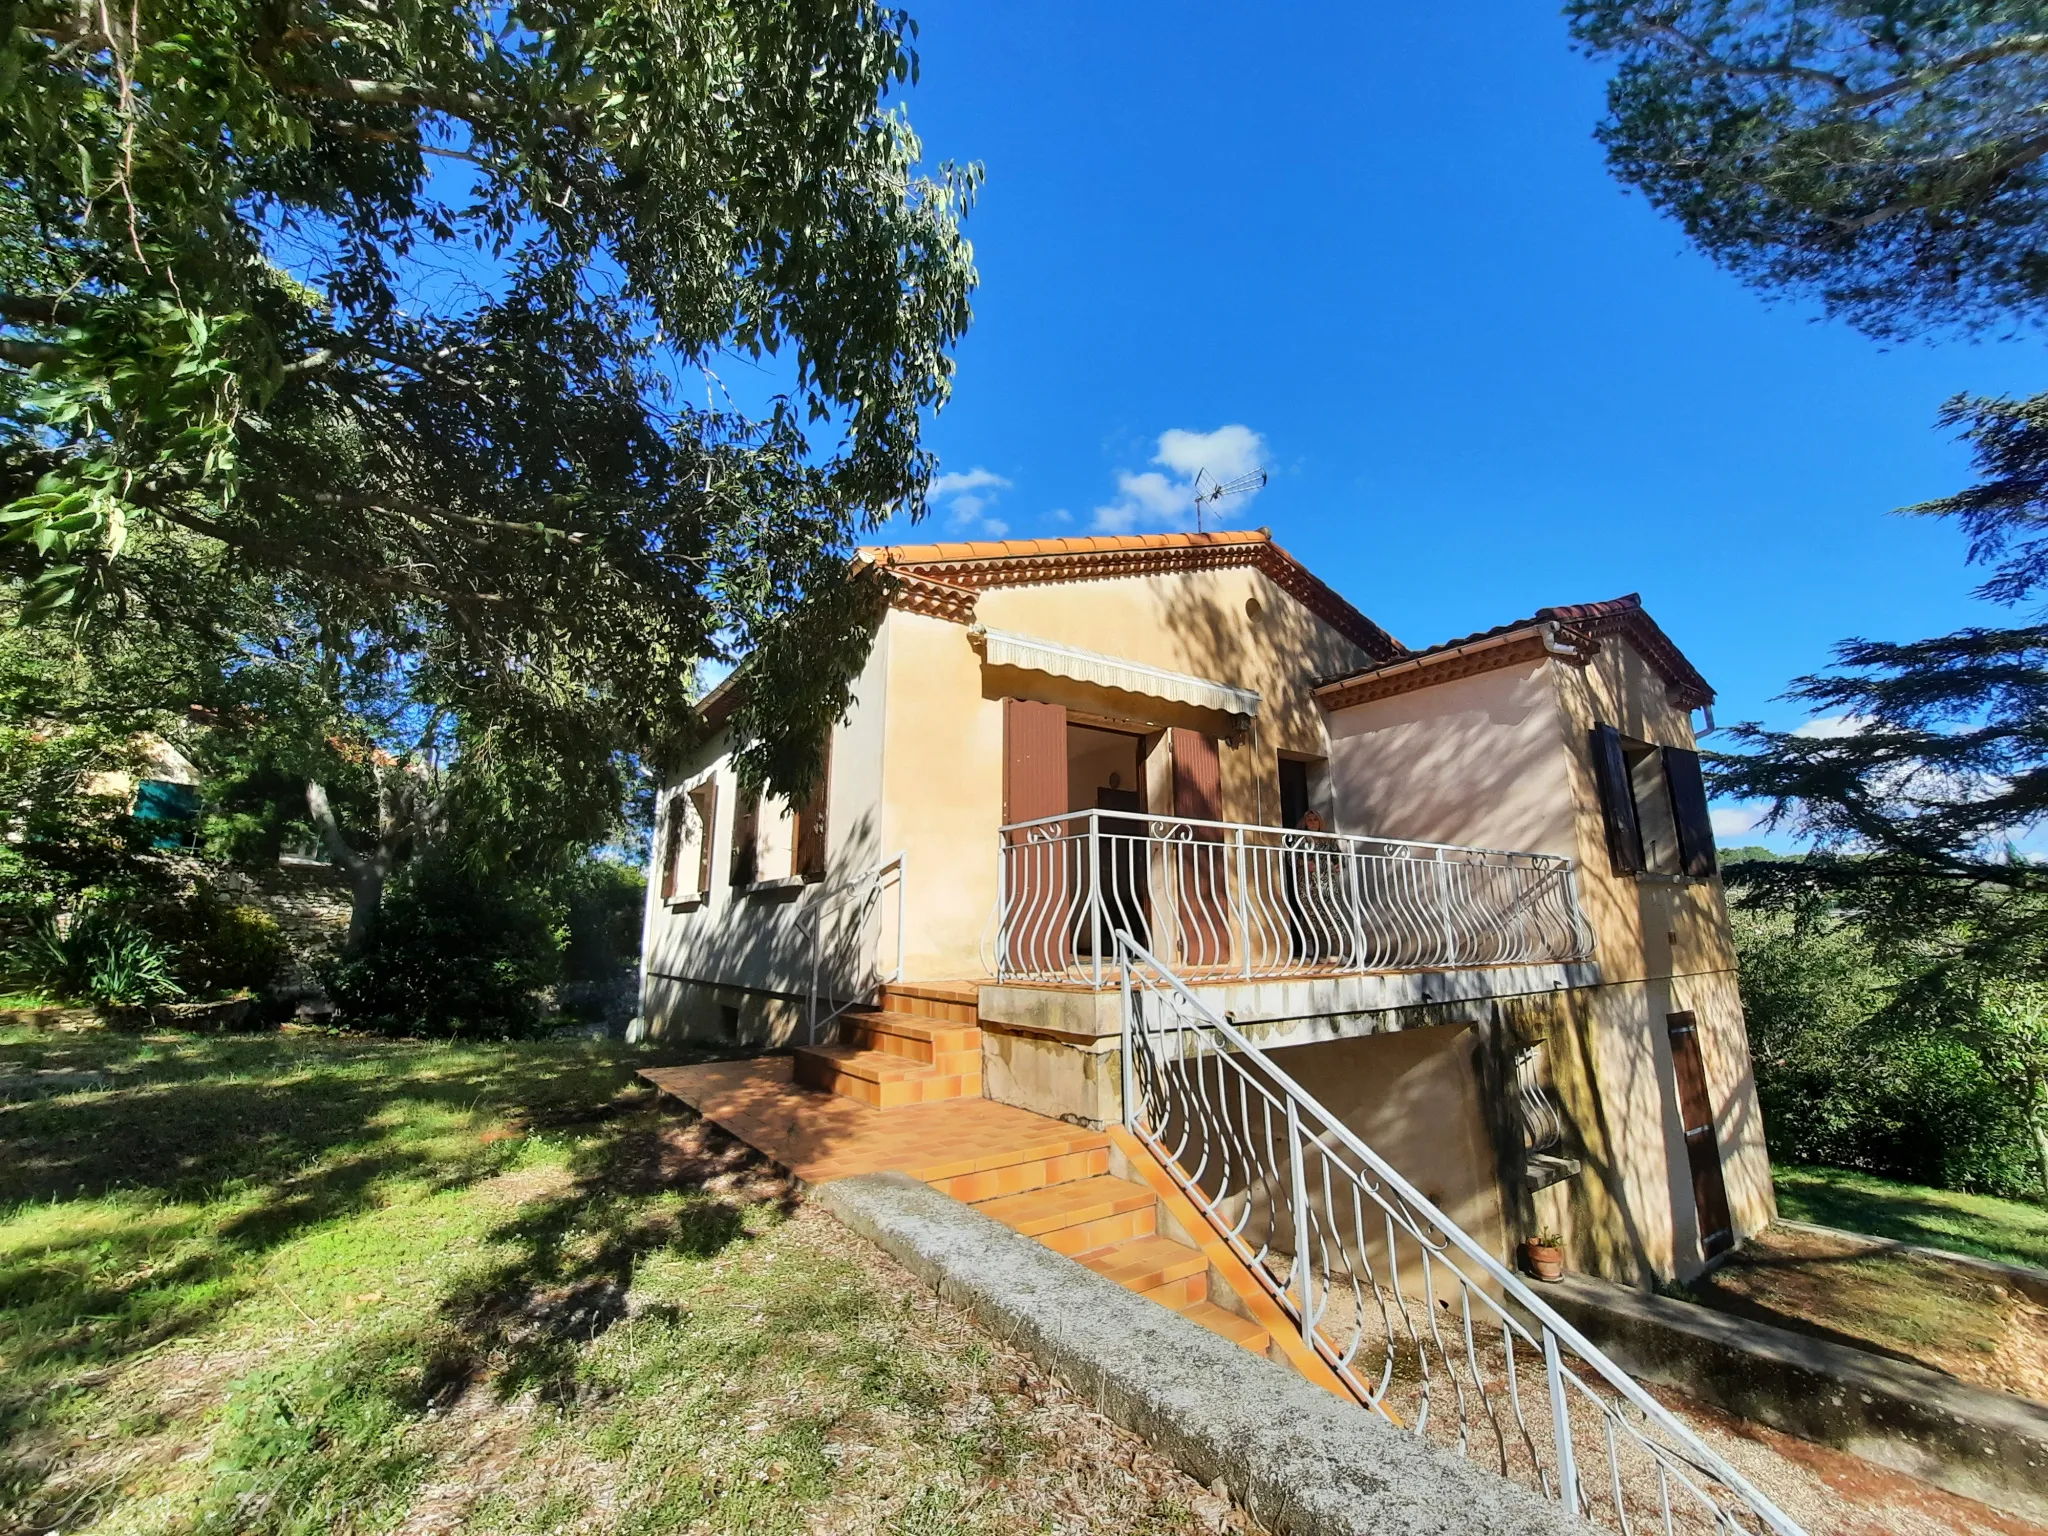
(1950, 1317)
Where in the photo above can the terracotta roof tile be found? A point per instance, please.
(977, 565)
(1025, 549)
(1623, 616)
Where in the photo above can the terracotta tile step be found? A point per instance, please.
(957, 1002)
(1042, 1212)
(878, 1080)
(1074, 1140)
(1011, 1178)
(1145, 1263)
(937, 1041)
(1227, 1325)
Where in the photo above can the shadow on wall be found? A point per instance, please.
(754, 952)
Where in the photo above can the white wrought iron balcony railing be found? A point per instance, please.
(1221, 900)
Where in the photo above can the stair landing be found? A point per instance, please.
(820, 1136)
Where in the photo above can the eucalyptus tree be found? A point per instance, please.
(408, 311)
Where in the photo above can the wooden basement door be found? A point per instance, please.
(1696, 1119)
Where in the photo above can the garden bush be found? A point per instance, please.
(1842, 1085)
(453, 953)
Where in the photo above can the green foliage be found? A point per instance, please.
(222, 946)
(399, 313)
(1848, 1077)
(451, 955)
(601, 901)
(100, 955)
(1884, 156)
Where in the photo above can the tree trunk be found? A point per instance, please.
(365, 874)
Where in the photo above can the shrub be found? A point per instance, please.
(101, 956)
(602, 902)
(1843, 1087)
(223, 946)
(453, 954)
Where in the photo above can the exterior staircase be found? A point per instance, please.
(919, 1044)
(1076, 1206)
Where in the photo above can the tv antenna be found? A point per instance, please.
(1209, 490)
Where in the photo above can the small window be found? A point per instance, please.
(746, 839)
(704, 807)
(1654, 804)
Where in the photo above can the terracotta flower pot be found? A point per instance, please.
(1543, 1261)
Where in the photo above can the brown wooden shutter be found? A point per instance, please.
(705, 797)
(1034, 760)
(1617, 802)
(808, 857)
(1689, 809)
(1696, 1120)
(1040, 875)
(671, 845)
(1197, 776)
(1203, 910)
(745, 829)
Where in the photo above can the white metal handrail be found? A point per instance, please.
(1416, 1318)
(1222, 899)
(837, 920)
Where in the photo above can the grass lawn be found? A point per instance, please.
(301, 1283)
(2011, 1230)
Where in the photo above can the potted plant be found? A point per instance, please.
(1543, 1256)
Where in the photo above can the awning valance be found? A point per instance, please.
(1000, 648)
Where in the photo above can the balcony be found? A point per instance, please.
(1221, 901)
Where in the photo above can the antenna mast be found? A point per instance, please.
(1209, 490)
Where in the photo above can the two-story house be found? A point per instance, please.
(1465, 893)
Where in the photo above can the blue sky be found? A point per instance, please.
(1382, 240)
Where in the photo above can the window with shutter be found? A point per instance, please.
(746, 825)
(671, 846)
(1689, 806)
(704, 800)
(807, 855)
(1617, 801)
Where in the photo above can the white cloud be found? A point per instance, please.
(976, 479)
(1226, 453)
(1151, 499)
(1734, 820)
(967, 495)
(1829, 726)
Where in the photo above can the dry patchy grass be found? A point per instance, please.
(299, 1284)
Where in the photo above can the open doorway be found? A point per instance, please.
(1105, 769)
(1105, 772)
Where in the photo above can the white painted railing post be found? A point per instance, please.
(1561, 1427)
(1130, 1070)
(1297, 1182)
(1354, 868)
(1095, 895)
(1244, 913)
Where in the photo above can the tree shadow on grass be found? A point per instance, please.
(329, 1433)
(140, 1215)
(237, 1148)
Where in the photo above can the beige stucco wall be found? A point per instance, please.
(1504, 759)
(918, 764)
(1664, 946)
(734, 949)
(1412, 1096)
(1477, 761)
(943, 781)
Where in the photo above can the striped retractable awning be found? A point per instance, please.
(1001, 648)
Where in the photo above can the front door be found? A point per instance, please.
(1696, 1119)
